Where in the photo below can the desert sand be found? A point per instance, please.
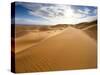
(67, 49)
(33, 39)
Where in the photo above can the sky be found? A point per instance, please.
(51, 14)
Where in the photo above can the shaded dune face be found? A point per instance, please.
(92, 32)
(89, 28)
(71, 49)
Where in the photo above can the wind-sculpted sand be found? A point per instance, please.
(66, 49)
(33, 39)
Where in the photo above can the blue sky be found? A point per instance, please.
(51, 14)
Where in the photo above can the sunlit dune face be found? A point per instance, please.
(51, 14)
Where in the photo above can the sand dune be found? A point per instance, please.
(91, 31)
(33, 39)
(88, 27)
(70, 49)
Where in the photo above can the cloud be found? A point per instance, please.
(38, 14)
(29, 21)
(84, 11)
(59, 13)
(23, 21)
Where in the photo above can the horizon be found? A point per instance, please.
(52, 14)
(53, 24)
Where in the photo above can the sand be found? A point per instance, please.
(68, 49)
(33, 38)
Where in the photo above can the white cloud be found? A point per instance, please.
(38, 14)
(29, 21)
(55, 14)
(23, 20)
(87, 11)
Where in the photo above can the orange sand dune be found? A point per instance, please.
(70, 49)
(33, 38)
